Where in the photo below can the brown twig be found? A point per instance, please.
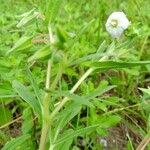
(143, 143)
(9, 123)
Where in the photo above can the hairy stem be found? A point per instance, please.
(45, 110)
(44, 134)
(47, 84)
(45, 122)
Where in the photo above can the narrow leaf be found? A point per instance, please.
(118, 64)
(76, 133)
(35, 86)
(15, 143)
(41, 53)
(26, 95)
(23, 43)
(27, 123)
(100, 90)
(76, 98)
(147, 91)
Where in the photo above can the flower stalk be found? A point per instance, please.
(45, 111)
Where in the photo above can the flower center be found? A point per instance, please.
(114, 23)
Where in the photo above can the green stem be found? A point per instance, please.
(44, 134)
(45, 110)
(74, 88)
(47, 84)
(46, 122)
(51, 147)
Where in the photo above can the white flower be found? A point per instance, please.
(116, 24)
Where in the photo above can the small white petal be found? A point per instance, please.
(116, 24)
(115, 32)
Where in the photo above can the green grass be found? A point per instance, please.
(65, 83)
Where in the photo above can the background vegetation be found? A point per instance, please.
(109, 110)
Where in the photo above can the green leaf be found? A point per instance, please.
(65, 145)
(75, 148)
(112, 101)
(100, 90)
(81, 31)
(35, 86)
(76, 133)
(26, 95)
(27, 124)
(22, 44)
(147, 91)
(3, 138)
(27, 13)
(4, 63)
(86, 58)
(61, 34)
(53, 10)
(108, 121)
(40, 54)
(118, 64)
(102, 47)
(102, 132)
(148, 124)
(8, 96)
(27, 17)
(4, 68)
(17, 143)
(76, 98)
(67, 114)
(6, 115)
(100, 105)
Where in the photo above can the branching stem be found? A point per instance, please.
(74, 88)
